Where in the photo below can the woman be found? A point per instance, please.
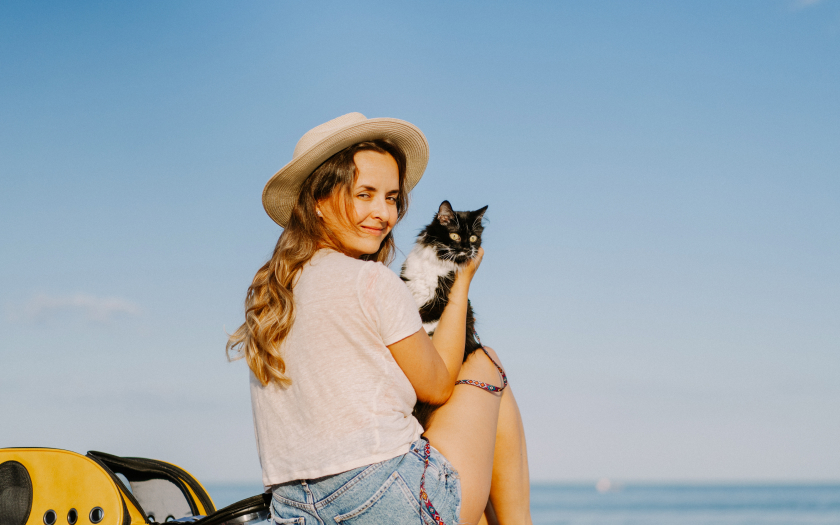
(338, 355)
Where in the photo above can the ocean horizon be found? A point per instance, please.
(628, 503)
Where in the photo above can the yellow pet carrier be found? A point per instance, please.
(42, 486)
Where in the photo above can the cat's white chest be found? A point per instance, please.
(421, 270)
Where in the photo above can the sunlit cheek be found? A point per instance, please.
(361, 210)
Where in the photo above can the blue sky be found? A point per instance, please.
(663, 237)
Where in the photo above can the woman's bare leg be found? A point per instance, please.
(465, 430)
(489, 517)
(510, 489)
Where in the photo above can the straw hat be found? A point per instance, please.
(322, 142)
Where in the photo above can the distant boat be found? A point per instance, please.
(603, 485)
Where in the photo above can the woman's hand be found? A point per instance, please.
(468, 270)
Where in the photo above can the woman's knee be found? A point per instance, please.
(479, 368)
(493, 355)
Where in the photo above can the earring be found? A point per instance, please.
(318, 212)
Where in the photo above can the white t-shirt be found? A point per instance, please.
(349, 403)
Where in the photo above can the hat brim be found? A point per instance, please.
(281, 191)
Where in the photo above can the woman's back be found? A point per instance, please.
(349, 404)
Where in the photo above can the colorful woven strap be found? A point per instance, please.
(424, 498)
(485, 386)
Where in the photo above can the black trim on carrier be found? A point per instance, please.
(143, 469)
(248, 508)
(124, 491)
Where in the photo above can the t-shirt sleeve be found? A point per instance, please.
(389, 304)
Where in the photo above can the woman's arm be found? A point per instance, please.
(432, 365)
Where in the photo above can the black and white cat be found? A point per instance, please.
(450, 241)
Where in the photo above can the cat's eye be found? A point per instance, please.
(454, 236)
(473, 238)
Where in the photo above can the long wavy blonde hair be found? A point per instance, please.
(269, 302)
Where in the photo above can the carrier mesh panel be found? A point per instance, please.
(161, 499)
(15, 493)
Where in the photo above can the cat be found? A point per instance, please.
(450, 241)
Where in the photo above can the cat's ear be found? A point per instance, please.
(445, 215)
(479, 214)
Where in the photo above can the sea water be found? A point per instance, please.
(686, 505)
(634, 504)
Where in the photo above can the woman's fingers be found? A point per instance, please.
(478, 258)
(472, 265)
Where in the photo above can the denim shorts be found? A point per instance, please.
(383, 493)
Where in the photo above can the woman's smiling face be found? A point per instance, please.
(372, 211)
